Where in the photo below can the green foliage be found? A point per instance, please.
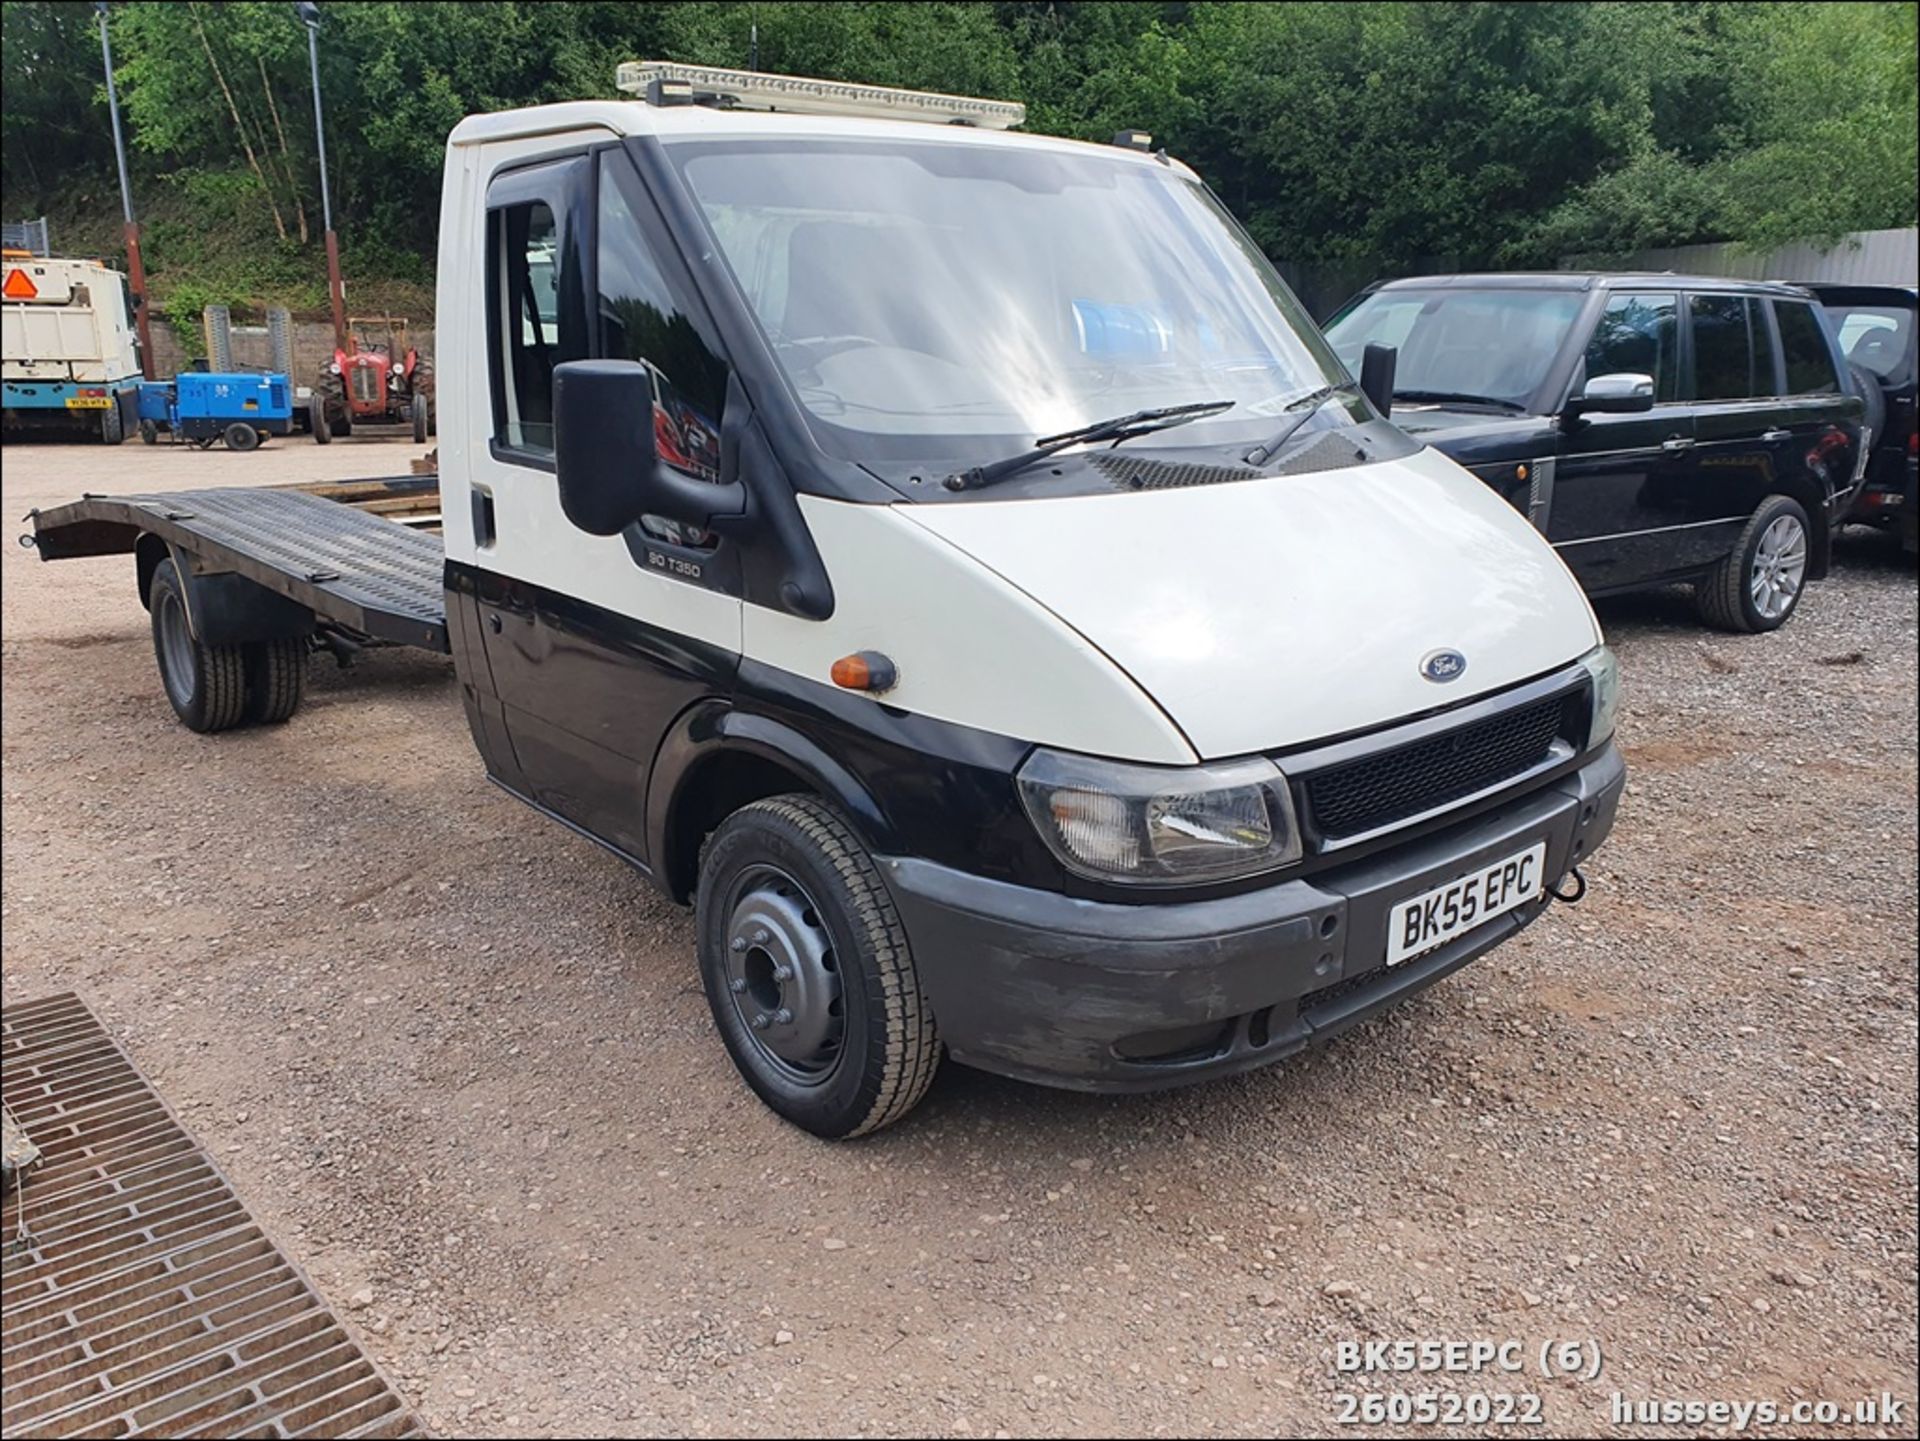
(1366, 136)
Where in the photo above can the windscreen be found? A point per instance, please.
(1879, 338)
(1493, 344)
(948, 298)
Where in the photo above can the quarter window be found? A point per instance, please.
(1722, 351)
(536, 311)
(1636, 336)
(1810, 368)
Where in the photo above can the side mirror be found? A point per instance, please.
(1623, 393)
(1377, 364)
(606, 457)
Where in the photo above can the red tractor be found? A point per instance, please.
(382, 381)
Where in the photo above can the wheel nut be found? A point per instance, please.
(783, 1015)
(760, 1021)
(736, 985)
(739, 944)
(760, 936)
(783, 973)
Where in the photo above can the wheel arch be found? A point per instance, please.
(716, 759)
(1813, 501)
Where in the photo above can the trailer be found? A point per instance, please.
(243, 584)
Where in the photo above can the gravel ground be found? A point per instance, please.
(458, 1061)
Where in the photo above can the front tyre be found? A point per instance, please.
(1757, 585)
(808, 971)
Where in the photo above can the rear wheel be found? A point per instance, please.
(808, 972)
(276, 678)
(241, 436)
(206, 684)
(113, 428)
(1757, 585)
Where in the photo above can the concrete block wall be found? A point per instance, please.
(312, 347)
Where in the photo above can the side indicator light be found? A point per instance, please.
(1520, 472)
(866, 670)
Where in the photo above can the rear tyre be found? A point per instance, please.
(206, 684)
(808, 972)
(113, 429)
(418, 411)
(240, 436)
(317, 420)
(276, 679)
(1866, 385)
(1757, 585)
(149, 432)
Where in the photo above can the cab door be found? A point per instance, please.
(594, 646)
(1620, 480)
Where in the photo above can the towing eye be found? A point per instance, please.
(1580, 888)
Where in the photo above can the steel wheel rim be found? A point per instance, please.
(782, 977)
(176, 648)
(1779, 567)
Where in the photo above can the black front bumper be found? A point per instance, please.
(1102, 997)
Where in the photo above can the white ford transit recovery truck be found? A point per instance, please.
(952, 561)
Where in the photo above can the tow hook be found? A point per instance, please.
(1579, 888)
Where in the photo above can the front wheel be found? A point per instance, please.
(149, 432)
(808, 972)
(418, 412)
(317, 423)
(1757, 585)
(241, 436)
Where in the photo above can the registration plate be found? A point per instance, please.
(1435, 917)
(89, 402)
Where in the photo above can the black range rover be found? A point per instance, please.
(1655, 427)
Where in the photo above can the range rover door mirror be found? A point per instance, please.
(1622, 393)
(606, 453)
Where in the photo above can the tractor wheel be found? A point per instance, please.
(331, 392)
(241, 436)
(423, 385)
(317, 419)
(418, 409)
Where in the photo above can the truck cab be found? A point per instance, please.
(67, 347)
(1122, 769)
(951, 562)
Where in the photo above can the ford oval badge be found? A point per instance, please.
(1441, 666)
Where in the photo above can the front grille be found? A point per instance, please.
(366, 383)
(1364, 795)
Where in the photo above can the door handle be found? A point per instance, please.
(1776, 435)
(1674, 444)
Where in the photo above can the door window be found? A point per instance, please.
(1810, 368)
(1766, 359)
(1636, 335)
(641, 318)
(1722, 348)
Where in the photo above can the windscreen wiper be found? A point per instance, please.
(1121, 427)
(1456, 397)
(1307, 407)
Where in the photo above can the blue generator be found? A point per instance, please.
(202, 406)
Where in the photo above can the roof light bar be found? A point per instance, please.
(756, 90)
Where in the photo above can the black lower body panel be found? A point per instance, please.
(1101, 997)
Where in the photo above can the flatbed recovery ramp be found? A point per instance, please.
(349, 566)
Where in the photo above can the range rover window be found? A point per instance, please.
(1877, 337)
(946, 300)
(1491, 345)
(1810, 368)
(1722, 347)
(1638, 335)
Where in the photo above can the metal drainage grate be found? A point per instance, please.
(140, 1297)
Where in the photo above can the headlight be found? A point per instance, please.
(1155, 825)
(1604, 667)
(395, 380)
(333, 367)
